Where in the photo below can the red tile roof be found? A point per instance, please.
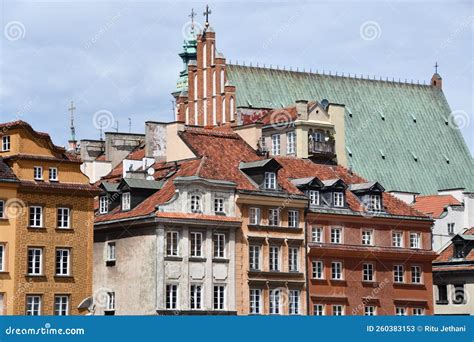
(434, 205)
(447, 254)
(72, 188)
(6, 173)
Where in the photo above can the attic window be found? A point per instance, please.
(126, 201)
(270, 180)
(103, 205)
(375, 203)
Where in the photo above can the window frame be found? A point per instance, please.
(2, 209)
(293, 218)
(371, 312)
(270, 181)
(396, 276)
(37, 169)
(33, 262)
(35, 218)
(103, 204)
(394, 233)
(366, 275)
(370, 242)
(293, 259)
(255, 304)
(276, 144)
(338, 202)
(6, 143)
(419, 274)
(51, 173)
(315, 265)
(195, 203)
(195, 296)
(59, 259)
(32, 309)
(3, 255)
(275, 305)
(111, 251)
(219, 247)
(274, 219)
(172, 245)
(321, 234)
(110, 302)
(195, 245)
(341, 270)
(418, 240)
(274, 264)
(342, 309)
(291, 142)
(322, 311)
(60, 304)
(220, 303)
(294, 302)
(254, 216)
(171, 296)
(219, 205)
(255, 258)
(314, 194)
(126, 204)
(333, 236)
(60, 217)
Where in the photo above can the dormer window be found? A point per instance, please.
(375, 203)
(126, 201)
(38, 173)
(270, 180)
(313, 197)
(103, 205)
(5, 143)
(338, 199)
(196, 206)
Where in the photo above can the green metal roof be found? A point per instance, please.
(396, 133)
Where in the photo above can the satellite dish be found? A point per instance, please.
(150, 171)
(324, 104)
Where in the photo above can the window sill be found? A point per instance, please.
(110, 263)
(36, 276)
(408, 285)
(109, 312)
(60, 276)
(36, 228)
(173, 258)
(4, 272)
(64, 229)
(197, 259)
(367, 283)
(220, 260)
(220, 213)
(442, 302)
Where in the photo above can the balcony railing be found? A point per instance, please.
(321, 147)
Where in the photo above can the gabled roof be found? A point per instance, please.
(382, 112)
(335, 182)
(368, 186)
(109, 187)
(307, 181)
(259, 164)
(447, 254)
(434, 205)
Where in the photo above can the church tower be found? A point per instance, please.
(205, 98)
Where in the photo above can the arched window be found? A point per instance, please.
(204, 55)
(232, 110)
(195, 87)
(223, 110)
(214, 83)
(222, 82)
(214, 112)
(204, 78)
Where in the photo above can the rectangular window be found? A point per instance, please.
(368, 272)
(339, 199)
(63, 256)
(103, 205)
(2, 258)
(171, 296)
(442, 294)
(291, 143)
(33, 305)
(400, 311)
(2, 209)
(5, 143)
(36, 216)
(293, 218)
(275, 144)
(275, 303)
(53, 174)
(313, 197)
(318, 269)
(172, 239)
(274, 258)
(338, 310)
(418, 311)
(255, 301)
(317, 234)
(375, 203)
(35, 261)
(254, 216)
(369, 310)
(293, 259)
(219, 245)
(196, 206)
(336, 270)
(219, 297)
(274, 217)
(196, 297)
(219, 205)
(111, 251)
(397, 239)
(398, 273)
(318, 309)
(110, 302)
(416, 274)
(61, 305)
(336, 235)
(415, 240)
(254, 256)
(451, 228)
(270, 181)
(64, 218)
(294, 302)
(196, 244)
(38, 173)
(367, 237)
(126, 201)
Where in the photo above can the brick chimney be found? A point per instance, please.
(302, 109)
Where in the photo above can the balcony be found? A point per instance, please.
(323, 148)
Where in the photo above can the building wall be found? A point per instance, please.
(449, 279)
(441, 236)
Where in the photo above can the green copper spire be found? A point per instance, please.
(189, 52)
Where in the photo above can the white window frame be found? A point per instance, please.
(451, 226)
(293, 259)
(317, 234)
(317, 268)
(34, 305)
(63, 218)
(314, 198)
(275, 302)
(291, 142)
(336, 238)
(111, 251)
(417, 276)
(255, 301)
(370, 310)
(219, 204)
(368, 237)
(195, 244)
(110, 301)
(2, 257)
(254, 216)
(294, 302)
(126, 201)
(397, 277)
(37, 212)
(270, 181)
(38, 173)
(195, 297)
(36, 261)
(61, 305)
(6, 143)
(195, 203)
(338, 199)
(274, 217)
(255, 252)
(2, 209)
(337, 270)
(274, 258)
(319, 309)
(219, 301)
(400, 311)
(375, 202)
(172, 243)
(276, 144)
(63, 262)
(172, 296)
(418, 311)
(103, 204)
(339, 308)
(397, 239)
(219, 244)
(293, 219)
(53, 171)
(415, 243)
(368, 272)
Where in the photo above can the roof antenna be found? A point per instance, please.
(73, 129)
(129, 125)
(116, 126)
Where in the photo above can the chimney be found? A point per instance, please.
(155, 140)
(302, 109)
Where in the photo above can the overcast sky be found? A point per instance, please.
(121, 56)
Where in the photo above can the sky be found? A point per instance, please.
(119, 59)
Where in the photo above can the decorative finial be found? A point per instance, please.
(73, 129)
(206, 14)
(192, 15)
(436, 67)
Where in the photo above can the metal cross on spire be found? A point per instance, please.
(192, 15)
(206, 14)
(73, 129)
(436, 67)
